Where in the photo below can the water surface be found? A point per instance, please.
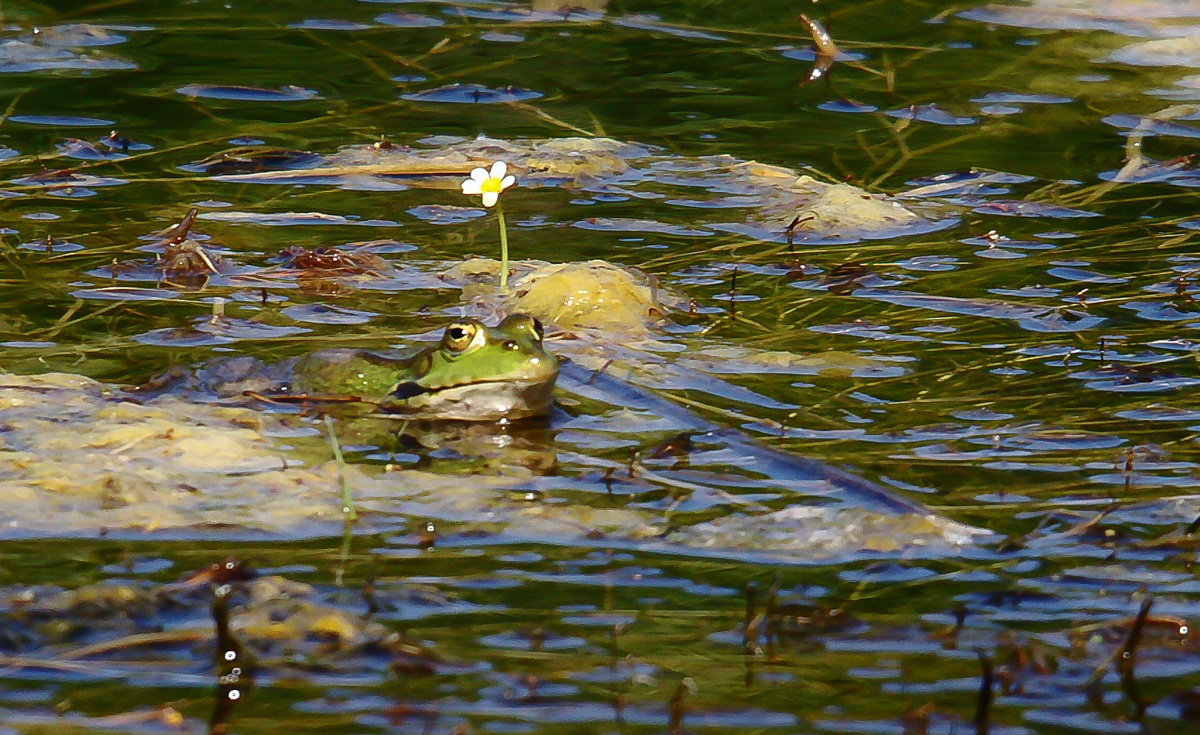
(1023, 361)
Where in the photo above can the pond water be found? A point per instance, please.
(1005, 333)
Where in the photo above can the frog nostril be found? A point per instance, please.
(511, 345)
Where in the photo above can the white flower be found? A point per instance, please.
(489, 184)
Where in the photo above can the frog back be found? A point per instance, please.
(344, 372)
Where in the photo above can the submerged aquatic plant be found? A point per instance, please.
(489, 184)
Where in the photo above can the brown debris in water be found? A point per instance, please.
(916, 720)
(844, 279)
(331, 261)
(678, 446)
(252, 159)
(269, 618)
(178, 233)
(179, 261)
(222, 572)
(187, 260)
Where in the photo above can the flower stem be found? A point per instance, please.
(503, 250)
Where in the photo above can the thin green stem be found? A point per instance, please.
(503, 250)
(347, 502)
(344, 555)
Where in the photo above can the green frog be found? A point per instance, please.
(486, 374)
(475, 373)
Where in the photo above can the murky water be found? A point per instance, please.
(1005, 334)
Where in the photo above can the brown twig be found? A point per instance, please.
(826, 49)
(136, 641)
(299, 398)
(1125, 656)
(984, 705)
(1122, 659)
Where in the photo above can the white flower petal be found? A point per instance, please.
(471, 186)
(499, 168)
(490, 198)
(479, 174)
(507, 182)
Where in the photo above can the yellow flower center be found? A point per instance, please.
(492, 184)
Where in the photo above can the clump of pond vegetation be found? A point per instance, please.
(877, 410)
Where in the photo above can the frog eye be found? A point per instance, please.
(459, 336)
(524, 323)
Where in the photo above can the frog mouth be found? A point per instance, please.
(485, 400)
(412, 389)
